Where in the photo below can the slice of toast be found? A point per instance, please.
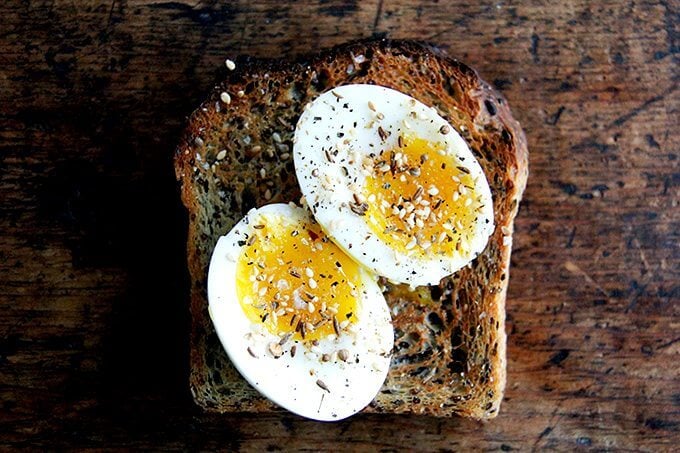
(450, 342)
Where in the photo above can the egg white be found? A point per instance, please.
(335, 133)
(295, 383)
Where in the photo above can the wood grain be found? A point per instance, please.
(93, 286)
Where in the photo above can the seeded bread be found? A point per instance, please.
(450, 342)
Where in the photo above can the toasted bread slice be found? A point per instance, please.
(450, 342)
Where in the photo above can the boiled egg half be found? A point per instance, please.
(301, 321)
(392, 183)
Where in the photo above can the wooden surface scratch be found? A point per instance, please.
(93, 284)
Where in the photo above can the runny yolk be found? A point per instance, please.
(292, 279)
(420, 200)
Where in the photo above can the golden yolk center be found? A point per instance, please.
(421, 200)
(295, 281)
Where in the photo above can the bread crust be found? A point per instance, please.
(450, 347)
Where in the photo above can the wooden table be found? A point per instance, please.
(93, 284)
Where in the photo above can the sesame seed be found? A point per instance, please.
(315, 172)
(343, 355)
(322, 385)
(336, 326)
(309, 272)
(285, 156)
(276, 350)
(240, 93)
(371, 106)
(433, 191)
(293, 349)
(507, 240)
(252, 353)
(230, 64)
(285, 338)
(222, 154)
(224, 96)
(267, 194)
(325, 357)
(358, 208)
(263, 172)
(411, 244)
(310, 307)
(468, 201)
(312, 283)
(455, 196)
(445, 129)
(276, 137)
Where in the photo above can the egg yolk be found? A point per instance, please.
(420, 200)
(295, 281)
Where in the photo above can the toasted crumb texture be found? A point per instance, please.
(450, 342)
